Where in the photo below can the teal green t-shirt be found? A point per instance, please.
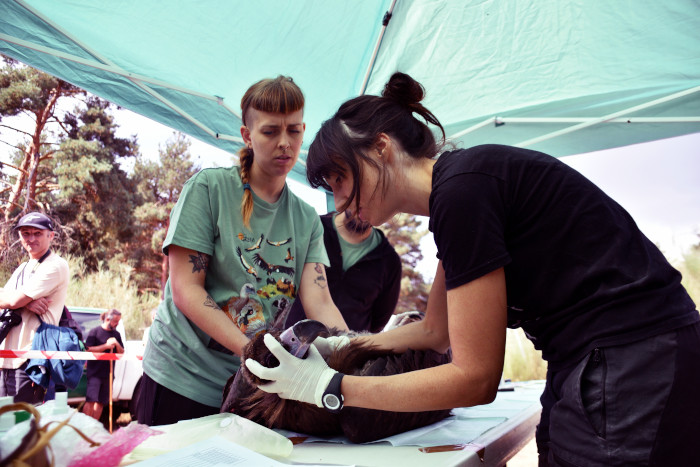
(253, 274)
(353, 252)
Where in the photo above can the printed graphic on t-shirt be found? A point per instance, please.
(246, 311)
(270, 269)
(247, 266)
(282, 286)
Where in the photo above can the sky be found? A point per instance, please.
(658, 182)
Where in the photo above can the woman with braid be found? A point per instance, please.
(241, 247)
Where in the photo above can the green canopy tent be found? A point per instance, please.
(560, 76)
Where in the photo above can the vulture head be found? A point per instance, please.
(299, 337)
(242, 397)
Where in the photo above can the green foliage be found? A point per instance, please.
(11, 257)
(111, 287)
(23, 88)
(522, 362)
(74, 172)
(159, 184)
(31, 93)
(97, 197)
(404, 233)
(690, 269)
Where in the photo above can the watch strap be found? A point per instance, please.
(332, 397)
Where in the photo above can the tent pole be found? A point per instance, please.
(385, 23)
(488, 121)
(113, 68)
(106, 64)
(608, 117)
(526, 120)
(104, 67)
(138, 81)
(187, 116)
(586, 119)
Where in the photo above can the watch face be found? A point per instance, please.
(331, 402)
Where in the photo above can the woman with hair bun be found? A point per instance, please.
(241, 248)
(523, 240)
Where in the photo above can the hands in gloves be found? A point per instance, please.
(301, 380)
(327, 345)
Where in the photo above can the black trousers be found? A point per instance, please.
(158, 405)
(16, 383)
(634, 404)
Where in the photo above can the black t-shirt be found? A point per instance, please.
(366, 294)
(579, 272)
(98, 336)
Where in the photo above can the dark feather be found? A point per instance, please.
(242, 397)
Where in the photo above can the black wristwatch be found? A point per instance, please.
(332, 398)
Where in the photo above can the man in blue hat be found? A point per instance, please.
(35, 292)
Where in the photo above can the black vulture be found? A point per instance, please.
(242, 397)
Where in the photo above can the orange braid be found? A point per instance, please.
(245, 155)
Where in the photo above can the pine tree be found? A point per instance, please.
(96, 197)
(159, 184)
(68, 166)
(27, 92)
(404, 233)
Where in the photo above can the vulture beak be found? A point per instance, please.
(299, 337)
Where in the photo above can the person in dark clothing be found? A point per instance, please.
(365, 273)
(523, 240)
(103, 338)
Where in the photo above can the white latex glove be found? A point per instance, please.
(300, 380)
(327, 345)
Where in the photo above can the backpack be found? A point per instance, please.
(67, 321)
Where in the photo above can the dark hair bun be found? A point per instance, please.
(403, 89)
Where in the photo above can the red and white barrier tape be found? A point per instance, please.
(63, 355)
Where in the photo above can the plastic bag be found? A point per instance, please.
(229, 426)
(60, 436)
(112, 451)
(43, 438)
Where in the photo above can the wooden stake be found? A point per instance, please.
(111, 377)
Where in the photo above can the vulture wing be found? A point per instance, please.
(354, 420)
(242, 397)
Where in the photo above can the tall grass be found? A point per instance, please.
(524, 363)
(690, 269)
(111, 287)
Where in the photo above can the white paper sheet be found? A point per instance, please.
(464, 424)
(213, 452)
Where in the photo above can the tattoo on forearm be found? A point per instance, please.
(320, 279)
(200, 262)
(211, 303)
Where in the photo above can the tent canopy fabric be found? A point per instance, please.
(559, 76)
